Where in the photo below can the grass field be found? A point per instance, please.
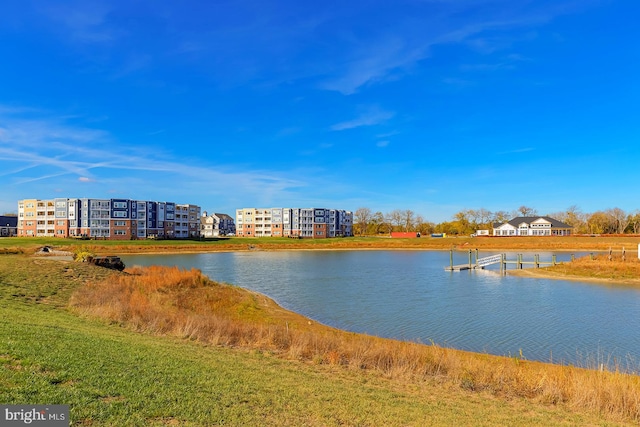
(114, 375)
(107, 247)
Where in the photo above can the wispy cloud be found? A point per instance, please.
(374, 63)
(371, 117)
(51, 151)
(389, 54)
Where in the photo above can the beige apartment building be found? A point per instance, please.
(114, 219)
(315, 223)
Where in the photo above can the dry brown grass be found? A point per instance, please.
(602, 266)
(163, 300)
(463, 243)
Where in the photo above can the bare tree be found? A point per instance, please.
(634, 221)
(501, 217)
(395, 218)
(424, 227)
(362, 218)
(619, 219)
(378, 223)
(575, 218)
(527, 211)
(408, 219)
(483, 217)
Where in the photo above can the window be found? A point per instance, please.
(120, 205)
(119, 232)
(120, 223)
(119, 214)
(60, 222)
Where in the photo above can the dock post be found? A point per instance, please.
(536, 259)
(553, 259)
(469, 259)
(519, 266)
(573, 257)
(503, 264)
(451, 258)
(476, 257)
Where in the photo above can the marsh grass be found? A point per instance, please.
(601, 266)
(186, 304)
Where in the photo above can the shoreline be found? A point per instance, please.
(540, 273)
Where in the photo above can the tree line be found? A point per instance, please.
(469, 221)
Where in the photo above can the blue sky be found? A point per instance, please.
(430, 105)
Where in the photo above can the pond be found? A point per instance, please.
(408, 295)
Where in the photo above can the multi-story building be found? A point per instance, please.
(314, 223)
(115, 219)
(187, 222)
(216, 225)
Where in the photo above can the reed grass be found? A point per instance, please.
(185, 303)
(601, 266)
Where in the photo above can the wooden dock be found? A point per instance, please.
(501, 259)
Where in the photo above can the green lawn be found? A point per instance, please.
(111, 376)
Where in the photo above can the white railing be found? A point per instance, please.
(493, 259)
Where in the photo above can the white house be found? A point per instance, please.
(217, 225)
(532, 226)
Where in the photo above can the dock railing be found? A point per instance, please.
(481, 263)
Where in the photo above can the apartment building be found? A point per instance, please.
(316, 223)
(114, 219)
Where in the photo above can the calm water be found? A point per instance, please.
(407, 295)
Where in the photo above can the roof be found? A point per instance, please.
(224, 216)
(8, 220)
(515, 222)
